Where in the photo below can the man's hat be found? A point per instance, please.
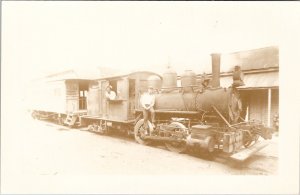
(237, 67)
(206, 79)
(109, 86)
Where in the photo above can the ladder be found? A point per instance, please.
(71, 119)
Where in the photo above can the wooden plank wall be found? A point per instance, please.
(104, 105)
(258, 105)
(122, 109)
(93, 99)
(274, 104)
(72, 96)
(118, 110)
(131, 98)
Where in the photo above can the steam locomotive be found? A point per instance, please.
(207, 119)
(198, 114)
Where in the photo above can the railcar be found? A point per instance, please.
(62, 99)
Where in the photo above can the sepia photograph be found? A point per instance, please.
(129, 97)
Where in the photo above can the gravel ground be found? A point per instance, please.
(41, 148)
(51, 149)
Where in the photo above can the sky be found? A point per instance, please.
(41, 38)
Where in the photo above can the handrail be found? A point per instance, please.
(228, 124)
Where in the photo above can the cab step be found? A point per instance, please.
(71, 119)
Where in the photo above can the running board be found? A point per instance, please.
(247, 152)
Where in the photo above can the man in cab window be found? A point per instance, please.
(110, 94)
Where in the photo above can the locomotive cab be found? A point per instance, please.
(118, 113)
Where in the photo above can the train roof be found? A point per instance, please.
(255, 59)
(127, 74)
(98, 73)
(76, 74)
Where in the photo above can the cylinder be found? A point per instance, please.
(154, 81)
(207, 143)
(169, 78)
(188, 78)
(215, 82)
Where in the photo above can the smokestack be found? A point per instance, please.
(215, 62)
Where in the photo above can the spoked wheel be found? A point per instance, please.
(140, 132)
(97, 129)
(178, 147)
(91, 128)
(102, 129)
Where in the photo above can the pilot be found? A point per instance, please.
(110, 94)
(147, 101)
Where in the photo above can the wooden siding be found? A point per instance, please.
(274, 104)
(258, 105)
(72, 96)
(104, 108)
(93, 99)
(123, 107)
(131, 98)
(257, 101)
(118, 109)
